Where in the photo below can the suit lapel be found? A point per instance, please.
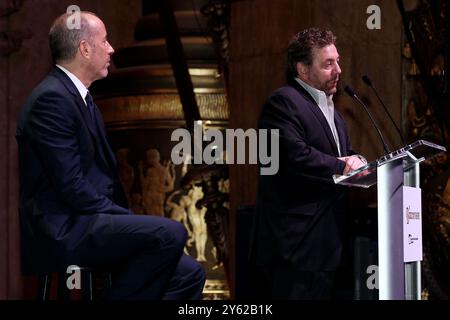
(109, 156)
(96, 135)
(319, 115)
(340, 127)
(86, 117)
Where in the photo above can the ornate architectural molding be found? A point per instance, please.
(11, 41)
(161, 107)
(426, 105)
(218, 14)
(8, 7)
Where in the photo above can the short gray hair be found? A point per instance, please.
(64, 41)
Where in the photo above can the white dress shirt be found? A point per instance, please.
(80, 86)
(326, 105)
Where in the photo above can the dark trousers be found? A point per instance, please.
(287, 283)
(145, 256)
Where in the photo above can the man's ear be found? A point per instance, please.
(84, 48)
(302, 70)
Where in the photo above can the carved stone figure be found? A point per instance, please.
(178, 213)
(126, 171)
(196, 218)
(158, 179)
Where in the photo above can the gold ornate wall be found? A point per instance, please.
(426, 108)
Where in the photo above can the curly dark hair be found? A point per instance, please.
(301, 45)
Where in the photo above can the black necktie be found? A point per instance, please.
(100, 137)
(91, 106)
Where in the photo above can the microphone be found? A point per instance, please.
(352, 94)
(367, 81)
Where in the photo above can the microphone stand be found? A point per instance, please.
(367, 81)
(352, 94)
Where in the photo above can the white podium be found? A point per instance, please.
(397, 176)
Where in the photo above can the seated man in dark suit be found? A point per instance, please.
(300, 213)
(72, 208)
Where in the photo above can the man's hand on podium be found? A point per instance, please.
(352, 163)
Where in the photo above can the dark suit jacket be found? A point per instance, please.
(67, 173)
(300, 212)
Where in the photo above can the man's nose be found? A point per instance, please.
(338, 68)
(111, 49)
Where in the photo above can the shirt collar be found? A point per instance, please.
(78, 84)
(318, 95)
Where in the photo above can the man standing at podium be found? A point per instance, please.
(299, 224)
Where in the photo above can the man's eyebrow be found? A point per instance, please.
(332, 59)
